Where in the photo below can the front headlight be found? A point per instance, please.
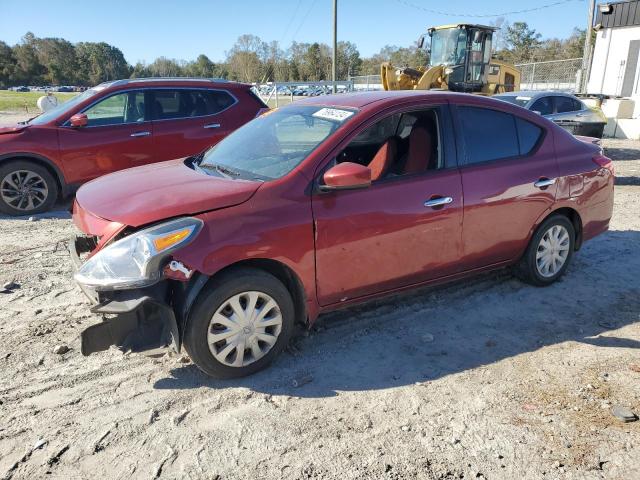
(136, 260)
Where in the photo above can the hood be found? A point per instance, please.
(142, 195)
(16, 128)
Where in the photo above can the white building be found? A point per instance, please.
(615, 68)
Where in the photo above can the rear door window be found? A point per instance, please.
(183, 103)
(493, 135)
(543, 105)
(488, 134)
(567, 104)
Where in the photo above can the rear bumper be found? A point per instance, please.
(143, 320)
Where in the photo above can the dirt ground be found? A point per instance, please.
(487, 378)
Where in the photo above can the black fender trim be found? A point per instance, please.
(141, 323)
(64, 188)
(184, 296)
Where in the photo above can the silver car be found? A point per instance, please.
(565, 109)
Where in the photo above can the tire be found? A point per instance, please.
(242, 284)
(532, 267)
(42, 188)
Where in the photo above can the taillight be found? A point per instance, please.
(604, 162)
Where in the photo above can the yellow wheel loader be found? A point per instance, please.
(459, 60)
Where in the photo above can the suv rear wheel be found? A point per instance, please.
(26, 188)
(241, 321)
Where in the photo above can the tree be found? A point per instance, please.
(245, 59)
(522, 42)
(28, 69)
(7, 65)
(202, 67)
(398, 56)
(140, 70)
(166, 67)
(99, 62)
(312, 63)
(58, 57)
(348, 60)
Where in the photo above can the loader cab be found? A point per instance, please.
(465, 53)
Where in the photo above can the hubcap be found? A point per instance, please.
(244, 328)
(23, 190)
(553, 251)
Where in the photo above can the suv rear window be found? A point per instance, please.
(169, 104)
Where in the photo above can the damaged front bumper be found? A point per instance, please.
(143, 319)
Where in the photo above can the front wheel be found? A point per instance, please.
(549, 252)
(241, 321)
(26, 188)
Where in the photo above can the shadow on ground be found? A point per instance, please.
(61, 210)
(433, 333)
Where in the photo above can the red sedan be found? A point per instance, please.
(112, 126)
(324, 203)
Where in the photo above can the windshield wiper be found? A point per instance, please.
(26, 122)
(221, 169)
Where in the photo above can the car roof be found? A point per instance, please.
(173, 81)
(362, 99)
(535, 93)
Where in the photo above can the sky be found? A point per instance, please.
(147, 29)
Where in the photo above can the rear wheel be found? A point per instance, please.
(26, 188)
(239, 324)
(549, 252)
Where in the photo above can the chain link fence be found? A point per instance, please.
(552, 75)
(363, 83)
(561, 75)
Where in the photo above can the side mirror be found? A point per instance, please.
(79, 120)
(421, 41)
(346, 176)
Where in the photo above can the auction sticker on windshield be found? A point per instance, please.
(333, 114)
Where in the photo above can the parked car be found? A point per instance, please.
(115, 125)
(22, 89)
(565, 109)
(324, 203)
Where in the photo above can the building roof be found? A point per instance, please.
(618, 14)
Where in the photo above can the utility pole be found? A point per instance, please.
(586, 56)
(334, 62)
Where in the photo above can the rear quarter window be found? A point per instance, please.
(528, 135)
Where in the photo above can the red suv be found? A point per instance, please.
(324, 203)
(113, 126)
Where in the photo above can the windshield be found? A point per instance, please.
(273, 144)
(448, 46)
(515, 99)
(63, 107)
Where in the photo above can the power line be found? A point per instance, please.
(485, 15)
(295, 12)
(304, 19)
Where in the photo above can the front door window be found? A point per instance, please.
(118, 109)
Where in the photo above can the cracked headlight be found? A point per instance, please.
(136, 260)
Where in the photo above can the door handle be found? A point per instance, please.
(140, 134)
(212, 125)
(544, 182)
(438, 202)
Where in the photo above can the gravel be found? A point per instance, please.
(518, 381)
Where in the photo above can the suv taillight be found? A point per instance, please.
(604, 162)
